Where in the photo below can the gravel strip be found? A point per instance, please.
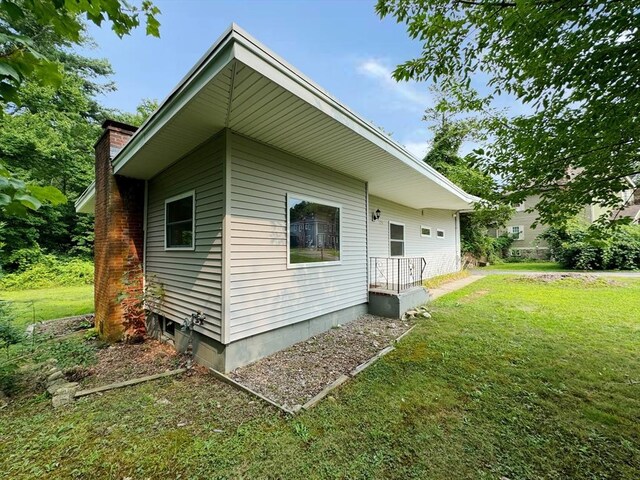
(292, 376)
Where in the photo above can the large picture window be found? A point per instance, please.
(314, 232)
(179, 222)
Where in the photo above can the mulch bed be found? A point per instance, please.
(64, 326)
(124, 361)
(292, 376)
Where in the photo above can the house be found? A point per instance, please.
(253, 196)
(527, 242)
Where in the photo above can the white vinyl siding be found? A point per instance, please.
(191, 278)
(441, 254)
(264, 293)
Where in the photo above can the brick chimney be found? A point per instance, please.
(119, 216)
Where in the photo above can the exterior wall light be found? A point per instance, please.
(376, 215)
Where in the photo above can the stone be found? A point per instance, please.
(54, 376)
(426, 315)
(55, 388)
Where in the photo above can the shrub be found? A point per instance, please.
(576, 246)
(48, 272)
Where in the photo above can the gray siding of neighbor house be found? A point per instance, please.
(441, 254)
(265, 294)
(526, 220)
(191, 279)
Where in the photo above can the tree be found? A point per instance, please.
(35, 36)
(573, 64)
(451, 129)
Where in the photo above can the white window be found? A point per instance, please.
(396, 239)
(313, 232)
(440, 233)
(521, 207)
(179, 222)
(517, 231)
(425, 231)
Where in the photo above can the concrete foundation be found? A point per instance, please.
(225, 358)
(394, 305)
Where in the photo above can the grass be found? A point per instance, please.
(440, 280)
(509, 378)
(49, 303)
(526, 266)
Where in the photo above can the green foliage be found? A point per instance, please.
(50, 271)
(35, 36)
(576, 246)
(9, 333)
(565, 62)
(70, 352)
(146, 107)
(450, 131)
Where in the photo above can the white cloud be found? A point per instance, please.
(410, 92)
(418, 149)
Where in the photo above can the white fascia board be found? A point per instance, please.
(86, 202)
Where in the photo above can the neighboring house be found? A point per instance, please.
(527, 241)
(253, 196)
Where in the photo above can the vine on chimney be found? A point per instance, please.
(138, 302)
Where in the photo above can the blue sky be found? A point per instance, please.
(340, 44)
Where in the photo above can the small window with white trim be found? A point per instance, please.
(440, 233)
(517, 231)
(396, 239)
(425, 231)
(179, 222)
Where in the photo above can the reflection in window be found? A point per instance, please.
(179, 222)
(314, 232)
(396, 239)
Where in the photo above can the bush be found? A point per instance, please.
(576, 246)
(48, 272)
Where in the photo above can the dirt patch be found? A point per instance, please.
(292, 376)
(473, 296)
(124, 361)
(64, 326)
(573, 279)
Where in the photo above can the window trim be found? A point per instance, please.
(404, 239)
(438, 230)
(190, 193)
(306, 198)
(520, 232)
(424, 235)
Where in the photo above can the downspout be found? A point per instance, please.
(366, 231)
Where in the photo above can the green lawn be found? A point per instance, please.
(49, 303)
(525, 266)
(509, 378)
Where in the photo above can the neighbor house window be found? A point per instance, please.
(179, 222)
(313, 231)
(425, 231)
(517, 232)
(396, 239)
(440, 233)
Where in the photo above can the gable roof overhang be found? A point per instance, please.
(239, 84)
